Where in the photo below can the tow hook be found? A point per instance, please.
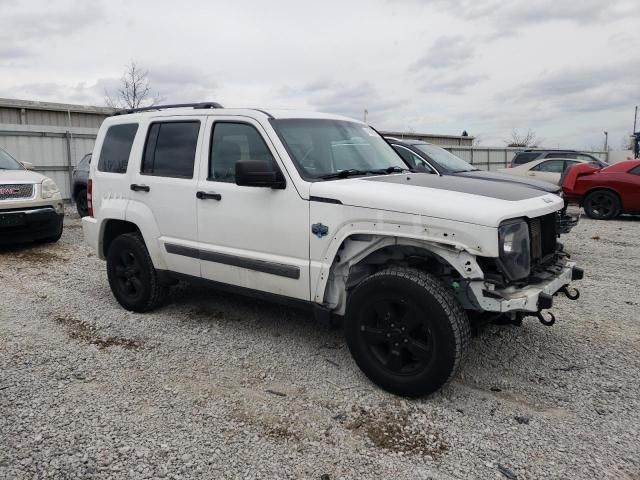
(544, 321)
(571, 292)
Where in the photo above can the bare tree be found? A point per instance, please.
(522, 140)
(134, 91)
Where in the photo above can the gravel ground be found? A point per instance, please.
(219, 386)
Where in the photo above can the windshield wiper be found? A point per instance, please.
(351, 172)
(344, 174)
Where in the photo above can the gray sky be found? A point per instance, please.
(568, 69)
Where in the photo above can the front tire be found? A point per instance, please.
(132, 277)
(406, 331)
(602, 205)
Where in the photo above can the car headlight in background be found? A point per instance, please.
(515, 249)
(49, 188)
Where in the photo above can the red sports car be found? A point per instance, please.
(604, 193)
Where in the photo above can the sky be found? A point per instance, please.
(566, 69)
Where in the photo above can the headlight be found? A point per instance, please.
(515, 255)
(49, 188)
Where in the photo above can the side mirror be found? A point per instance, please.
(258, 173)
(27, 165)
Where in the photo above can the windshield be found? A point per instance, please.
(7, 162)
(324, 148)
(444, 159)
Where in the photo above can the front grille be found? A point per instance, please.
(16, 191)
(543, 234)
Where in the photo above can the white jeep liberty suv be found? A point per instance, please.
(318, 210)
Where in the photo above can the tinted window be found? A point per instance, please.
(116, 148)
(554, 166)
(171, 149)
(560, 155)
(521, 158)
(231, 142)
(635, 170)
(569, 163)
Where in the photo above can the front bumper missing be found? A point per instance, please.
(531, 298)
(567, 222)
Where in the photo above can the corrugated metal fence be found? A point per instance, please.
(56, 150)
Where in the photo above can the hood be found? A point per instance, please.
(448, 197)
(505, 177)
(20, 176)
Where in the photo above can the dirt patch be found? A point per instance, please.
(79, 330)
(33, 256)
(399, 432)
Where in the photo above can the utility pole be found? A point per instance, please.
(635, 119)
(367, 113)
(606, 141)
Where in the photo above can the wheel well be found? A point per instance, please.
(113, 229)
(600, 189)
(400, 255)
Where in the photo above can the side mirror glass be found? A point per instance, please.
(258, 173)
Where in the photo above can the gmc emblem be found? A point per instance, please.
(8, 191)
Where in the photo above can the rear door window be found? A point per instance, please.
(170, 150)
(560, 155)
(555, 166)
(116, 148)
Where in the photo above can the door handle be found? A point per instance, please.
(140, 188)
(208, 196)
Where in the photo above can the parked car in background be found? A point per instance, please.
(31, 205)
(318, 211)
(79, 190)
(548, 169)
(530, 155)
(604, 193)
(430, 158)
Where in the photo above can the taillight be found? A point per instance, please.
(90, 197)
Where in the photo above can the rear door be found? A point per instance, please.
(163, 186)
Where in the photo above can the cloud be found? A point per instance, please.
(452, 85)
(526, 12)
(446, 52)
(340, 98)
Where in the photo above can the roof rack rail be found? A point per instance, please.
(200, 105)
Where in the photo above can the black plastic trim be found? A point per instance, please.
(200, 105)
(325, 200)
(272, 268)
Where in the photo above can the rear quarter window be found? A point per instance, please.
(116, 148)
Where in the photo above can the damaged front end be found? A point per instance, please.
(532, 268)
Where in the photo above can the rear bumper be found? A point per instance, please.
(17, 226)
(90, 231)
(531, 298)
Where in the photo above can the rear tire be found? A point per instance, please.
(81, 203)
(602, 205)
(406, 331)
(132, 277)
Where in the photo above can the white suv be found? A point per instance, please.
(319, 211)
